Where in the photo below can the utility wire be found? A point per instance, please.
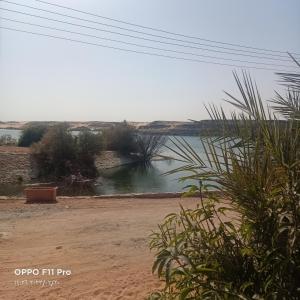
(162, 30)
(140, 52)
(142, 38)
(144, 46)
(140, 32)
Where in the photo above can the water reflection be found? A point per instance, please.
(135, 178)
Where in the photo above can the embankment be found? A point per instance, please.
(17, 165)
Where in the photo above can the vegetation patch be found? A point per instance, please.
(59, 153)
(256, 164)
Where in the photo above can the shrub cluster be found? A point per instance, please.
(59, 153)
(33, 133)
(126, 140)
(249, 247)
(121, 138)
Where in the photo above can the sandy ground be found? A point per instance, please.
(103, 242)
(14, 149)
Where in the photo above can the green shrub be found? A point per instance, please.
(88, 146)
(121, 138)
(33, 133)
(61, 154)
(124, 139)
(55, 152)
(148, 146)
(250, 247)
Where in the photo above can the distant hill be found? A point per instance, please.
(203, 128)
(156, 127)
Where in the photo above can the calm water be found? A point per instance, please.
(133, 178)
(14, 133)
(139, 179)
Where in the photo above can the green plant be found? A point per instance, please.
(32, 133)
(55, 152)
(249, 247)
(59, 153)
(148, 146)
(121, 138)
(88, 146)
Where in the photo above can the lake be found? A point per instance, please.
(133, 178)
(14, 133)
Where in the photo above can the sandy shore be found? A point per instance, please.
(103, 242)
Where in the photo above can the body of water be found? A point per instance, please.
(133, 178)
(14, 133)
(140, 179)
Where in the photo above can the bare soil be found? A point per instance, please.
(14, 149)
(104, 242)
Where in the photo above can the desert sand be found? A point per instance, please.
(103, 242)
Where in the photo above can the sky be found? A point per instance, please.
(42, 78)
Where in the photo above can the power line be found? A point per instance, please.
(140, 52)
(142, 38)
(144, 46)
(139, 32)
(161, 30)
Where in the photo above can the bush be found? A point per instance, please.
(148, 146)
(33, 133)
(124, 139)
(60, 154)
(88, 146)
(121, 138)
(255, 254)
(55, 152)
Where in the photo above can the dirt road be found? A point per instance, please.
(102, 242)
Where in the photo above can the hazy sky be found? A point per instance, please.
(48, 79)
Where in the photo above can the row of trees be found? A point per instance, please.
(58, 152)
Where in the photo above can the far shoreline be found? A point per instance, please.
(177, 128)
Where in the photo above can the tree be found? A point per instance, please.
(148, 146)
(59, 153)
(55, 152)
(121, 138)
(256, 167)
(33, 133)
(88, 146)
